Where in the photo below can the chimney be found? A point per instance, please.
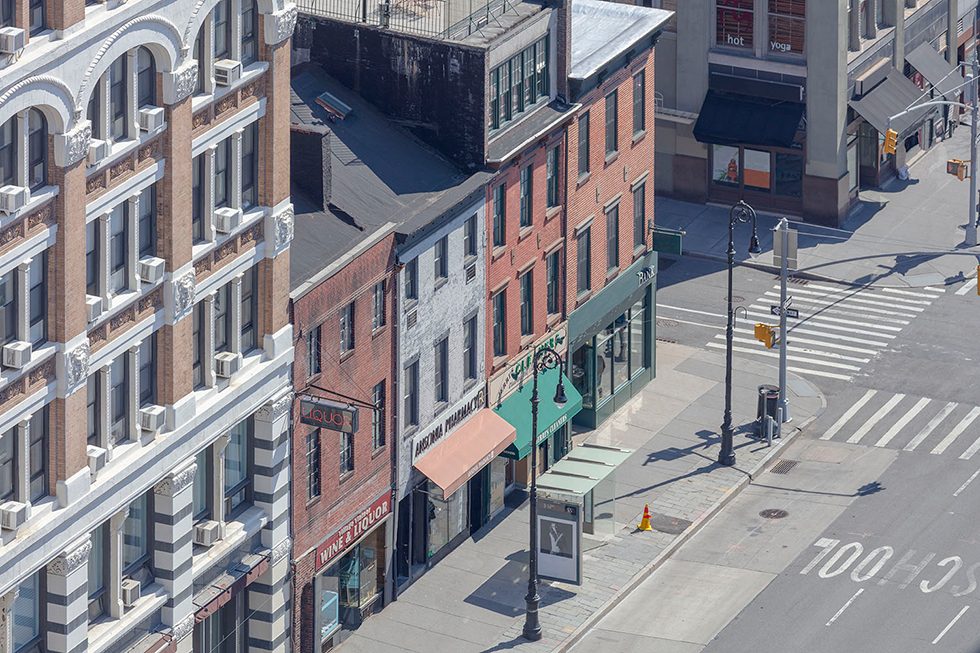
(563, 45)
(326, 163)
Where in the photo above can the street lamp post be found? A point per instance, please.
(740, 213)
(545, 358)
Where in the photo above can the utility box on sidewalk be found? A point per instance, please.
(768, 402)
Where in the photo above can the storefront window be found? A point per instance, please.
(724, 165)
(756, 170)
(787, 26)
(852, 163)
(734, 23)
(789, 175)
(620, 351)
(582, 373)
(351, 585)
(637, 341)
(329, 606)
(447, 517)
(498, 484)
(603, 365)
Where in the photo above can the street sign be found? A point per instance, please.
(790, 312)
(777, 250)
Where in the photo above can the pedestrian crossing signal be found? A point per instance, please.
(891, 142)
(766, 334)
(958, 168)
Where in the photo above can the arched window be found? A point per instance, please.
(37, 150)
(250, 23)
(221, 16)
(202, 64)
(8, 171)
(118, 74)
(146, 88)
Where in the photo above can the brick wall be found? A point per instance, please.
(354, 374)
(588, 197)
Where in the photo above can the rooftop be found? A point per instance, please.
(602, 30)
(380, 174)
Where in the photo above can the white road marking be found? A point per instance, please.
(933, 289)
(966, 483)
(851, 412)
(910, 293)
(848, 604)
(802, 350)
(721, 327)
(841, 298)
(843, 320)
(793, 368)
(973, 449)
(691, 310)
(819, 323)
(957, 430)
(798, 359)
(878, 416)
(950, 624)
(846, 307)
(807, 341)
(902, 422)
(864, 294)
(967, 287)
(931, 426)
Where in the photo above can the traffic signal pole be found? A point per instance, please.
(783, 405)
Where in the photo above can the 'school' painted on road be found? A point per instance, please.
(867, 566)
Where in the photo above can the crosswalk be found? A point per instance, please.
(839, 331)
(908, 423)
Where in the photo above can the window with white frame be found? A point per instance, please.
(222, 319)
(115, 242)
(146, 78)
(198, 199)
(119, 263)
(24, 150)
(250, 166)
(116, 393)
(378, 314)
(23, 316)
(147, 227)
(250, 310)
(98, 572)
(224, 176)
(238, 467)
(201, 490)
(148, 372)
(137, 539)
(230, 32)
(27, 617)
(218, 328)
(119, 389)
(25, 441)
(200, 334)
(128, 85)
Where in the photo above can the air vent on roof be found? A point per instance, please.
(337, 109)
(470, 272)
(412, 319)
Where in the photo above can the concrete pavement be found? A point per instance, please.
(908, 234)
(473, 600)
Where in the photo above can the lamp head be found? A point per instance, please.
(560, 398)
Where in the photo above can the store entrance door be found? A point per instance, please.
(479, 499)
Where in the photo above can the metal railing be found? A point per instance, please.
(442, 19)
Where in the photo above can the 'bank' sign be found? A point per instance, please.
(327, 414)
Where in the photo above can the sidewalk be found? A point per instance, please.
(473, 600)
(898, 236)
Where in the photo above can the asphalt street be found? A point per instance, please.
(872, 542)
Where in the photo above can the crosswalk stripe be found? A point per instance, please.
(802, 350)
(931, 426)
(820, 317)
(902, 422)
(798, 359)
(700, 324)
(690, 310)
(844, 305)
(852, 298)
(910, 293)
(877, 417)
(807, 341)
(836, 336)
(816, 322)
(975, 447)
(811, 310)
(809, 372)
(933, 289)
(872, 294)
(957, 430)
(967, 287)
(846, 417)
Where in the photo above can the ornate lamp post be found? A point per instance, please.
(545, 358)
(740, 213)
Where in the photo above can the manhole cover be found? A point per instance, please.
(773, 513)
(668, 524)
(664, 322)
(736, 298)
(783, 466)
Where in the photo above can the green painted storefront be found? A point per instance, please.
(552, 418)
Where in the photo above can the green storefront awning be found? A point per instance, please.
(516, 409)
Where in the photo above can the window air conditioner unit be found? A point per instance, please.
(130, 592)
(14, 198)
(97, 458)
(12, 40)
(151, 118)
(93, 307)
(207, 532)
(97, 150)
(227, 71)
(227, 219)
(13, 514)
(152, 418)
(17, 354)
(226, 364)
(151, 269)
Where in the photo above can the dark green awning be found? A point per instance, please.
(516, 409)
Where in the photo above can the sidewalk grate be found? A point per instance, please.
(799, 281)
(783, 466)
(669, 341)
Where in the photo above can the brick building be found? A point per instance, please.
(144, 205)
(381, 195)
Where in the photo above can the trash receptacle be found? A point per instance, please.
(768, 402)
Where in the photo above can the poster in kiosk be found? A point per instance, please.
(560, 541)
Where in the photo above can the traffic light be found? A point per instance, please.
(767, 335)
(891, 141)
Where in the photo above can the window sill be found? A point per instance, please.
(378, 331)
(583, 178)
(347, 354)
(638, 136)
(410, 305)
(38, 198)
(249, 522)
(312, 502)
(120, 301)
(38, 358)
(250, 218)
(527, 340)
(553, 319)
(583, 297)
(639, 251)
(440, 282)
(552, 212)
(122, 148)
(249, 74)
(612, 273)
(525, 232)
(498, 251)
(377, 452)
(346, 476)
(101, 636)
(499, 362)
(611, 157)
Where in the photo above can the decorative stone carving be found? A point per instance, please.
(70, 561)
(273, 410)
(183, 628)
(284, 227)
(279, 25)
(184, 293)
(76, 365)
(177, 481)
(76, 143)
(179, 84)
(281, 550)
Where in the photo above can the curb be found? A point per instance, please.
(688, 533)
(799, 274)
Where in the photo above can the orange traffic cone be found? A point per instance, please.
(644, 524)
